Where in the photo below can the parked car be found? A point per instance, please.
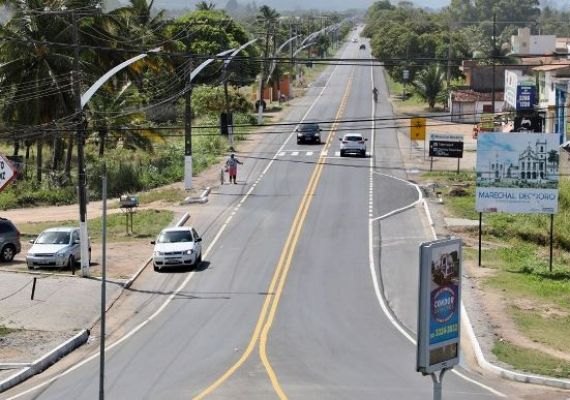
(308, 133)
(56, 247)
(353, 143)
(9, 240)
(177, 247)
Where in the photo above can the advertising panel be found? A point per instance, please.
(450, 146)
(526, 97)
(517, 173)
(439, 305)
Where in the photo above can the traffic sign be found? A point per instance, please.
(7, 172)
(418, 128)
(450, 146)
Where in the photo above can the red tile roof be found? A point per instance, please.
(471, 96)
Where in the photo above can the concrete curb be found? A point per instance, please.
(480, 357)
(198, 200)
(505, 373)
(45, 361)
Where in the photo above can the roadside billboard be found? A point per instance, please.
(439, 311)
(517, 173)
(449, 146)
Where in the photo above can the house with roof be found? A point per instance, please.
(553, 85)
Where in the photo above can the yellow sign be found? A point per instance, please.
(418, 128)
(487, 122)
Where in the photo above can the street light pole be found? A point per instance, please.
(226, 94)
(81, 184)
(188, 128)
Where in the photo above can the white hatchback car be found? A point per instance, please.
(56, 247)
(177, 247)
(353, 143)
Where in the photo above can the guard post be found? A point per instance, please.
(439, 319)
(128, 203)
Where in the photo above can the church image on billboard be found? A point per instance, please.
(517, 160)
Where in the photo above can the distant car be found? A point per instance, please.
(308, 133)
(56, 247)
(353, 143)
(9, 240)
(354, 40)
(177, 247)
(362, 47)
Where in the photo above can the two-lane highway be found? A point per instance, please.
(290, 304)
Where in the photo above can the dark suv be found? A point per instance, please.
(9, 240)
(308, 133)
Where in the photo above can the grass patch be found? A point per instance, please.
(548, 329)
(532, 228)
(5, 330)
(146, 224)
(531, 360)
(165, 195)
(397, 89)
(523, 272)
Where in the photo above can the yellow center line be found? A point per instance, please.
(290, 247)
(278, 279)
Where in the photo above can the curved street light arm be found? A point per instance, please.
(200, 67)
(101, 81)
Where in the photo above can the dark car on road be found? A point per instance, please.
(308, 133)
(9, 240)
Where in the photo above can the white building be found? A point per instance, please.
(526, 44)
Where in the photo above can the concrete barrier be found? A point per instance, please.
(44, 362)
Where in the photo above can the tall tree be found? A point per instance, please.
(205, 6)
(429, 84)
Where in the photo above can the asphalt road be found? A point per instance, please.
(288, 302)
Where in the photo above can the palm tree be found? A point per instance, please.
(35, 80)
(429, 84)
(205, 6)
(110, 115)
(267, 16)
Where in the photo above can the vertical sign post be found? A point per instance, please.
(439, 309)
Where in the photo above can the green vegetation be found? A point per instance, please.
(531, 360)
(165, 195)
(5, 331)
(135, 122)
(538, 299)
(543, 327)
(146, 224)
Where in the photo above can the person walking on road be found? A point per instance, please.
(231, 165)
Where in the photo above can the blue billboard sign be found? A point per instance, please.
(439, 312)
(526, 97)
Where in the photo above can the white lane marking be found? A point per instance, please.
(324, 153)
(294, 153)
(190, 275)
(281, 154)
(309, 153)
(337, 153)
(377, 291)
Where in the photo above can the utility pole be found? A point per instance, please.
(494, 67)
(448, 77)
(188, 127)
(263, 71)
(81, 184)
